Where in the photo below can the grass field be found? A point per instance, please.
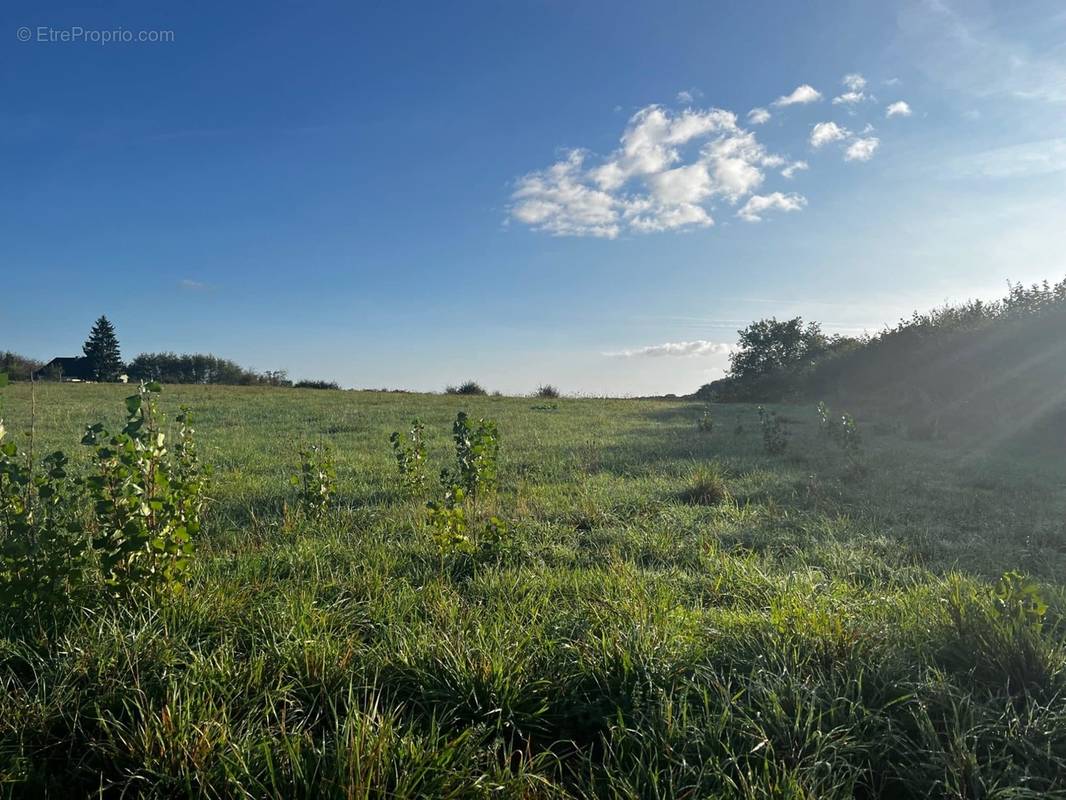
(824, 632)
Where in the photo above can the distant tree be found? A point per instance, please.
(768, 346)
(16, 367)
(101, 348)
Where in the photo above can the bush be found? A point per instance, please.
(470, 387)
(410, 453)
(548, 392)
(316, 480)
(705, 424)
(316, 385)
(42, 545)
(148, 500)
(16, 367)
(476, 453)
(774, 434)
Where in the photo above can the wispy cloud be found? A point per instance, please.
(191, 285)
(801, 94)
(757, 116)
(796, 166)
(1030, 159)
(966, 46)
(758, 205)
(698, 347)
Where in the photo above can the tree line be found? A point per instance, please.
(103, 363)
(980, 365)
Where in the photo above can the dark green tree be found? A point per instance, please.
(101, 348)
(768, 346)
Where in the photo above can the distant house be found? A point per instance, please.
(65, 369)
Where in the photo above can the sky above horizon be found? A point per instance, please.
(595, 195)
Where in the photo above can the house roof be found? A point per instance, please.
(73, 367)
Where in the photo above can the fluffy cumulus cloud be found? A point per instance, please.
(758, 204)
(898, 109)
(675, 169)
(861, 149)
(757, 116)
(801, 94)
(698, 347)
(667, 173)
(825, 132)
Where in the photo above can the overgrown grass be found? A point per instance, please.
(815, 636)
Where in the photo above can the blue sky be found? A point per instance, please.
(409, 194)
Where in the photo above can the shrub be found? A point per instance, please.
(705, 424)
(707, 487)
(147, 501)
(316, 385)
(447, 519)
(774, 434)
(470, 387)
(316, 480)
(842, 429)
(42, 544)
(476, 453)
(548, 392)
(16, 367)
(410, 453)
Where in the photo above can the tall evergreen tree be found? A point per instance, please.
(101, 348)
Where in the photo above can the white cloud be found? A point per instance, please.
(757, 116)
(849, 98)
(674, 170)
(558, 201)
(759, 204)
(801, 94)
(861, 149)
(898, 109)
(699, 347)
(854, 82)
(191, 285)
(688, 184)
(825, 132)
(685, 96)
(669, 169)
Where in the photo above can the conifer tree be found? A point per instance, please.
(101, 348)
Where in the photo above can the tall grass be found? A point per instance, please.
(813, 637)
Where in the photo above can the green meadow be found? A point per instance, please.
(669, 612)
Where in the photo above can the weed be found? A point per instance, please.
(705, 424)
